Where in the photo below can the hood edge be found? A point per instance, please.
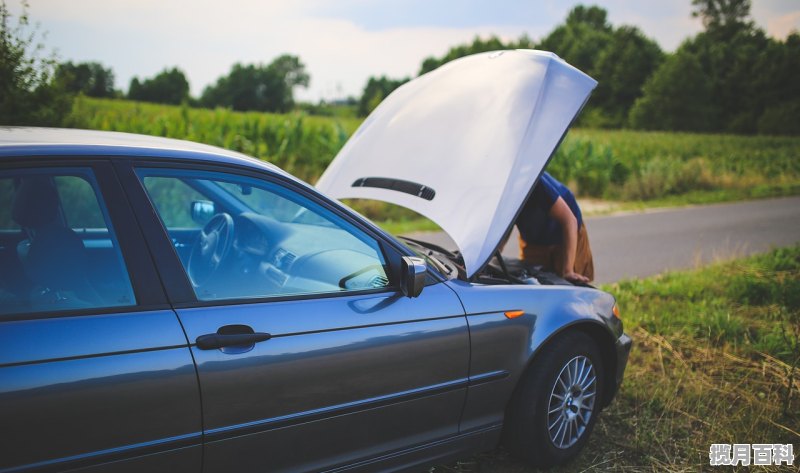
(510, 227)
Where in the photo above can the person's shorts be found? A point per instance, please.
(551, 257)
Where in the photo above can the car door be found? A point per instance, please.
(95, 370)
(332, 364)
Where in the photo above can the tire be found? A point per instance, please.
(535, 413)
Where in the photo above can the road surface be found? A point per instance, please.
(643, 244)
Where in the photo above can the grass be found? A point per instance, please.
(299, 143)
(715, 360)
(408, 226)
(633, 165)
(605, 207)
(638, 169)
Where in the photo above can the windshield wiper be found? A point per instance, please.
(430, 255)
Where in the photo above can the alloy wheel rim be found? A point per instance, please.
(571, 402)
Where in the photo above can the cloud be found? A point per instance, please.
(204, 38)
(342, 55)
(778, 17)
(342, 42)
(781, 26)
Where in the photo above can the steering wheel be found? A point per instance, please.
(211, 248)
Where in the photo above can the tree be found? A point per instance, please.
(291, 71)
(168, 86)
(621, 59)
(721, 13)
(729, 78)
(478, 45)
(375, 91)
(88, 78)
(259, 87)
(622, 67)
(730, 60)
(677, 97)
(581, 39)
(753, 77)
(28, 93)
(779, 90)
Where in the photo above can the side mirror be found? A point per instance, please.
(202, 211)
(414, 272)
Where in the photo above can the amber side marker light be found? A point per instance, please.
(615, 311)
(513, 314)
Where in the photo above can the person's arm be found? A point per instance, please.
(561, 213)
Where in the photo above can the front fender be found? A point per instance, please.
(500, 345)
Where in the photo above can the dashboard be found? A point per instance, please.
(270, 257)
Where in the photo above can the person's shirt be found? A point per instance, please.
(534, 222)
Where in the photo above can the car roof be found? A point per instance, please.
(54, 142)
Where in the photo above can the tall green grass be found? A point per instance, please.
(298, 143)
(611, 164)
(634, 165)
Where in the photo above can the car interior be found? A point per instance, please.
(48, 264)
(241, 241)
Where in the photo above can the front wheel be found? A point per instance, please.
(557, 402)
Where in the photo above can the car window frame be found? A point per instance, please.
(142, 273)
(177, 285)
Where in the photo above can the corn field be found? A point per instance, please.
(613, 164)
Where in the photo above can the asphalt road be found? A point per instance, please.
(644, 244)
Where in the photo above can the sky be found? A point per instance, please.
(341, 42)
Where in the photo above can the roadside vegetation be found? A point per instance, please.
(296, 142)
(716, 359)
(674, 167)
(637, 169)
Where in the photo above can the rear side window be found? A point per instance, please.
(6, 195)
(58, 250)
(81, 207)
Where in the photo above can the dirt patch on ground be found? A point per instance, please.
(591, 206)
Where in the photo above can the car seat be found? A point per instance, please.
(53, 257)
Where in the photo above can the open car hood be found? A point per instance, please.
(464, 144)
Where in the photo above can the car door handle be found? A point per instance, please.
(213, 341)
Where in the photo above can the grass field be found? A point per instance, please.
(639, 169)
(716, 359)
(299, 143)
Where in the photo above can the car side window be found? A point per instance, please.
(258, 239)
(58, 250)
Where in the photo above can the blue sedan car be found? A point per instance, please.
(170, 306)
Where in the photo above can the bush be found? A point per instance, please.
(28, 93)
(783, 119)
(588, 167)
(664, 176)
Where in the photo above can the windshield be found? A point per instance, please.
(264, 203)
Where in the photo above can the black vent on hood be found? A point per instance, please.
(398, 185)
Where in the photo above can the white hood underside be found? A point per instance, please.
(469, 138)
